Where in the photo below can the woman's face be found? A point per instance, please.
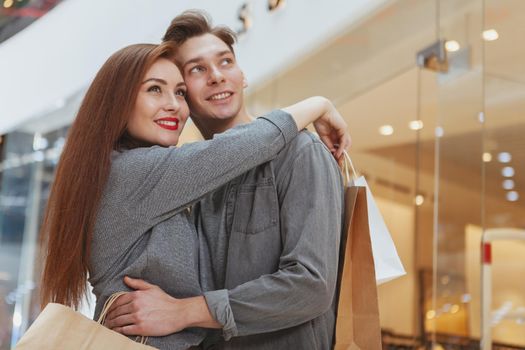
(160, 110)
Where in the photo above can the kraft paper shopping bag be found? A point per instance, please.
(60, 327)
(357, 319)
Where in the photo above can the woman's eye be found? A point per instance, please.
(154, 88)
(181, 92)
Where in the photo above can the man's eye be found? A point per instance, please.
(226, 61)
(181, 92)
(196, 69)
(154, 88)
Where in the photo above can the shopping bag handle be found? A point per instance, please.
(107, 305)
(348, 165)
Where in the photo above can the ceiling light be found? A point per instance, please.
(275, 4)
(481, 117)
(465, 298)
(415, 125)
(504, 157)
(431, 314)
(508, 184)
(512, 196)
(490, 35)
(446, 307)
(445, 280)
(59, 143)
(38, 156)
(4, 276)
(507, 171)
(245, 16)
(487, 157)
(439, 131)
(452, 46)
(454, 309)
(17, 319)
(8, 3)
(386, 130)
(39, 142)
(419, 200)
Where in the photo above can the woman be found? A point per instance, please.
(118, 203)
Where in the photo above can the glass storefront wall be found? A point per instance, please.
(442, 152)
(29, 158)
(436, 147)
(27, 172)
(504, 145)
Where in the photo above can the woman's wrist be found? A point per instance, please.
(309, 110)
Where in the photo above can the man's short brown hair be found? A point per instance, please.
(194, 23)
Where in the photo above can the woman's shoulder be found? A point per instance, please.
(139, 152)
(139, 157)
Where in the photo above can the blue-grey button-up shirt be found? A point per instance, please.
(269, 249)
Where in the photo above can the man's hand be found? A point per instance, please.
(149, 311)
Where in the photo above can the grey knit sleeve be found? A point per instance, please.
(158, 182)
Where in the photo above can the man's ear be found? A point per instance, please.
(244, 81)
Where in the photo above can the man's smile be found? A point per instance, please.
(220, 96)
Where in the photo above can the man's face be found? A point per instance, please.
(214, 81)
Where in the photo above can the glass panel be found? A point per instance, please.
(504, 173)
(370, 73)
(29, 162)
(14, 198)
(458, 169)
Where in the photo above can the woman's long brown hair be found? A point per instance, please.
(83, 169)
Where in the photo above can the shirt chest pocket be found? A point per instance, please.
(256, 207)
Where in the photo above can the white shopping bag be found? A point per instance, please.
(387, 264)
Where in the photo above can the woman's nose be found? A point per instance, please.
(172, 103)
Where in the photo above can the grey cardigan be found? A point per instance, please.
(142, 228)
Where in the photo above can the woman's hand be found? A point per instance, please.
(328, 123)
(333, 130)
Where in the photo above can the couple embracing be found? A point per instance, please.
(227, 243)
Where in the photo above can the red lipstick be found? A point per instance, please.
(168, 123)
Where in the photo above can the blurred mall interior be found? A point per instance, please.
(433, 91)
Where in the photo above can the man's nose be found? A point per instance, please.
(215, 76)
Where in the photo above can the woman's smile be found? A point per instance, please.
(169, 123)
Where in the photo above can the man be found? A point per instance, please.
(273, 233)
